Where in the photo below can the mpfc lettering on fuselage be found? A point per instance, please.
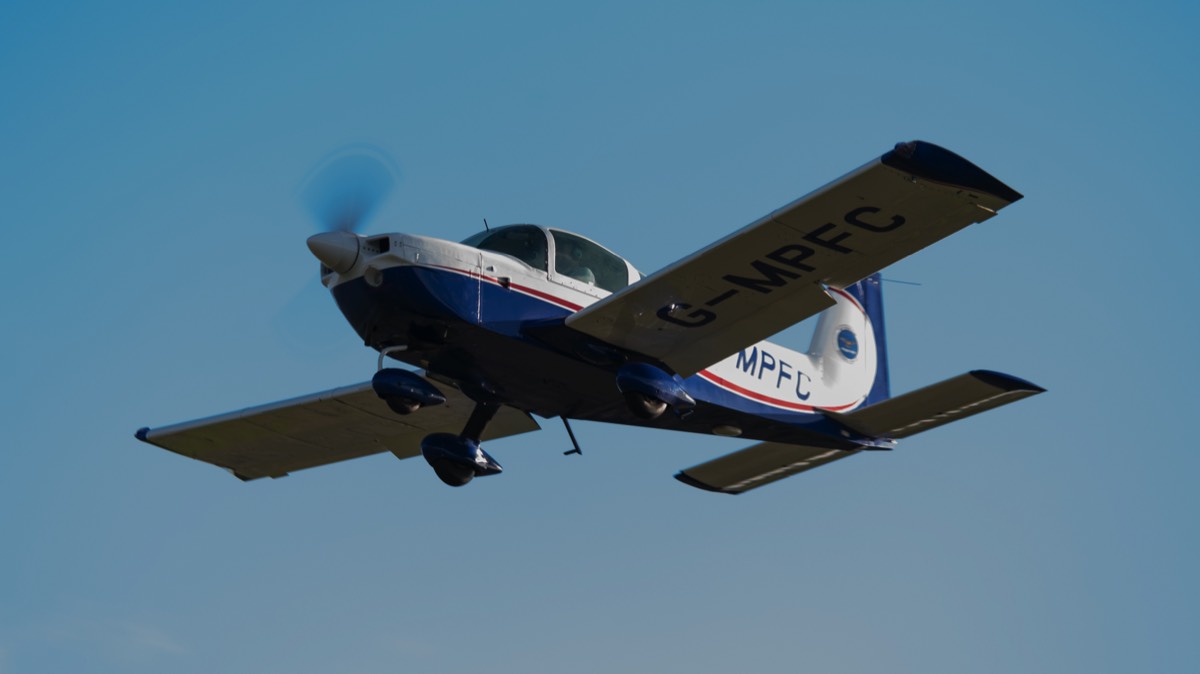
(779, 267)
(758, 362)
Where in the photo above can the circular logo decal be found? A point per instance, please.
(847, 343)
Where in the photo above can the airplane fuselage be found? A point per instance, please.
(486, 321)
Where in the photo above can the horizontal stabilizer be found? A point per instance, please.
(950, 400)
(344, 423)
(755, 466)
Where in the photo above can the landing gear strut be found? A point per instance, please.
(457, 459)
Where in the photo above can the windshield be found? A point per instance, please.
(527, 243)
(582, 260)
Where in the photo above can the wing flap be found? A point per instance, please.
(938, 404)
(758, 465)
(772, 273)
(345, 423)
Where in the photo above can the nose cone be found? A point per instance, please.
(336, 250)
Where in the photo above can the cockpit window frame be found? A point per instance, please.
(538, 260)
(615, 272)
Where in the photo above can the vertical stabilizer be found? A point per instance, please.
(845, 367)
(849, 347)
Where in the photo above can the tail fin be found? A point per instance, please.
(869, 293)
(849, 346)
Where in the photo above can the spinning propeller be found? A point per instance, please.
(342, 193)
(347, 187)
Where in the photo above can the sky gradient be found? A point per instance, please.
(151, 160)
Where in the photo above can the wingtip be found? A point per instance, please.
(1006, 381)
(936, 163)
(693, 482)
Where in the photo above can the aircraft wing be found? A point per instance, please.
(758, 465)
(770, 274)
(343, 423)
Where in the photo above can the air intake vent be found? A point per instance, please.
(378, 245)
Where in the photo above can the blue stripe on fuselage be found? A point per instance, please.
(411, 293)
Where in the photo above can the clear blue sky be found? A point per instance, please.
(150, 160)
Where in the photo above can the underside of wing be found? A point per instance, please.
(758, 465)
(773, 272)
(344, 423)
(937, 404)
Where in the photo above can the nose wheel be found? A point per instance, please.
(458, 459)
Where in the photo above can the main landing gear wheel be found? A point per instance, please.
(405, 392)
(403, 407)
(650, 390)
(643, 406)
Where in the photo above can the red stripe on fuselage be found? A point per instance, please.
(763, 398)
(526, 290)
(712, 378)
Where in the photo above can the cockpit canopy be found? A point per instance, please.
(574, 256)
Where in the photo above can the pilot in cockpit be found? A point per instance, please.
(568, 261)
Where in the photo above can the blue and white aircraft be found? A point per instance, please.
(523, 321)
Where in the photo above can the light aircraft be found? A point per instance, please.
(524, 320)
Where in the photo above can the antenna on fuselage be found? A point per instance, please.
(485, 225)
(574, 442)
